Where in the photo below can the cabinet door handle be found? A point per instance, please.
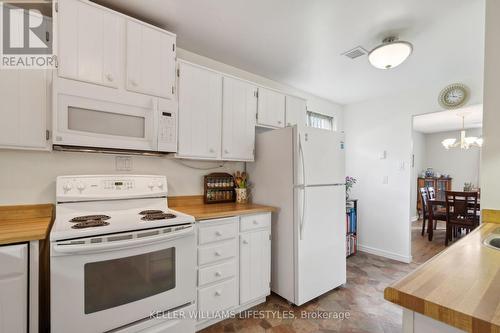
(218, 233)
(218, 293)
(226, 151)
(245, 241)
(109, 77)
(133, 82)
(255, 222)
(218, 274)
(279, 122)
(217, 254)
(211, 150)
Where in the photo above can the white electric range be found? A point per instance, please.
(119, 255)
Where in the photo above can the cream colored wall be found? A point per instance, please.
(490, 162)
(29, 176)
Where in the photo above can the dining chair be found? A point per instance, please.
(432, 192)
(437, 215)
(461, 212)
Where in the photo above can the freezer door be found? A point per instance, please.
(320, 241)
(320, 157)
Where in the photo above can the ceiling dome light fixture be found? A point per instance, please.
(391, 53)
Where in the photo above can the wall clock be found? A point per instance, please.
(454, 96)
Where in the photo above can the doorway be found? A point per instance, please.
(446, 154)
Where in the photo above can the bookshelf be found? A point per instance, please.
(351, 227)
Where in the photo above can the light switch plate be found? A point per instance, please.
(123, 163)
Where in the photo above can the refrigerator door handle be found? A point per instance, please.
(302, 161)
(303, 188)
(302, 220)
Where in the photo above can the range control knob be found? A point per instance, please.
(67, 187)
(151, 186)
(160, 184)
(80, 186)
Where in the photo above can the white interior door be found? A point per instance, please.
(321, 157)
(320, 243)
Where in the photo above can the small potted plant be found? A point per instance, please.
(241, 183)
(349, 183)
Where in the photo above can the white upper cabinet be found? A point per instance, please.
(239, 111)
(89, 47)
(150, 60)
(200, 112)
(295, 111)
(271, 109)
(24, 119)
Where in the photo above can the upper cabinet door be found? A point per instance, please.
(200, 111)
(239, 109)
(295, 111)
(271, 109)
(23, 112)
(89, 43)
(150, 60)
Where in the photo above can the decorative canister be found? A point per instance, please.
(241, 195)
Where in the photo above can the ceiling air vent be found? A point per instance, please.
(356, 52)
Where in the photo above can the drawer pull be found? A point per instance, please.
(245, 241)
(218, 293)
(218, 233)
(255, 222)
(218, 274)
(217, 253)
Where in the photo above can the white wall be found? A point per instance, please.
(418, 144)
(29, 177)
(490, 163)
(462, 165)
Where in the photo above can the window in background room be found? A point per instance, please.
(318, 120)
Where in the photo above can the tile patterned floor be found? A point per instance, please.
(362, 297)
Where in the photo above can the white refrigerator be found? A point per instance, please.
(303, 173)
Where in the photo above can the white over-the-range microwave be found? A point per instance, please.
(93, 116)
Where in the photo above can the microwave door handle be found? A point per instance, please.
(116, 245)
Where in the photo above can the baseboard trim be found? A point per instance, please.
(385, 254)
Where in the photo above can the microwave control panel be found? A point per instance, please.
(167, 127)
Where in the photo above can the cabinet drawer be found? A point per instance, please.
(216, 273)
(251, 222)
(218, 232)
(219, 297)
(216, 252)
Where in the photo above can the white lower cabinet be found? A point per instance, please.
(255, 268)
(234, 265)
(14, 288)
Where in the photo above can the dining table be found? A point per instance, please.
(438, 201)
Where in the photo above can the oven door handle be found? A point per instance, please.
(122, 244)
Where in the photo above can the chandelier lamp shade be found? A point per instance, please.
(465, 142)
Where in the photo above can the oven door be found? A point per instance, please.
(102, 285)
(93, 122)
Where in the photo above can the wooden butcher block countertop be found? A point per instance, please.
(460, 286)
(25, 223)
(194, 206)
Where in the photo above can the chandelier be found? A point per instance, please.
(465, 142)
